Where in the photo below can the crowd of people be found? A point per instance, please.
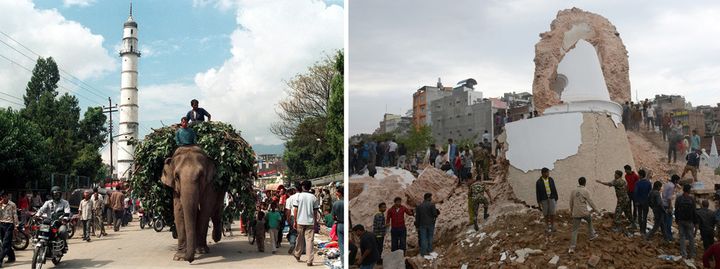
(638, 194)
(304, 210)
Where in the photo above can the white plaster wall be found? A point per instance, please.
(603, 150)
(539, 142)
(129, 62)
(128, 79)
(128, 96)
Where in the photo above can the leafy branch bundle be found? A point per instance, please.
(233, 157)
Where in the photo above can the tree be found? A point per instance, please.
(308, 97)
(335, 123)
(417, 139)
(21, 150)
(71, 144)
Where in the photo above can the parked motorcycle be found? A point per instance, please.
(157, 222)
(72, 225)
(47, 240)
(144, 218)
(21, 239)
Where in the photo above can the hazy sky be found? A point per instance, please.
(395, 47)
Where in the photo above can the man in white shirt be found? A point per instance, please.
(392, 150)
(305, 208)
(85, 211)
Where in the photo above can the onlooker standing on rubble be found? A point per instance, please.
(425, 219)
(392, 148)
(547, 197)
(666, 122)
(695, 141)
(706, 222)
(452, 151)
(668, 194)
(476, 197)
(686, 220)
(379, 229)
(396, 219)
(692, 165)
(579, 202)
(641, 198)
(623, 202)
(402, 157)
(631, 178)
(656, 204)
(714, 253)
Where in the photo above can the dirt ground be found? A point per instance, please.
(515, 226)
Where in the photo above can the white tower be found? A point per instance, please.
(128, 126)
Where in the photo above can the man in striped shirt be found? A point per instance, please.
(8, 223)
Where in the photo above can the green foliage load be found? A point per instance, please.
(233, 157)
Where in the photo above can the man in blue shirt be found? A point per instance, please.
(197, 114)
(695, 141)
(185, 136)
(642, 200)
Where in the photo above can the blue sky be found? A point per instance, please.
(232, 55)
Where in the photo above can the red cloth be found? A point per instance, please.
(333, 233)
(714, 252)
(631, 179)
(283, 198)
(24, 203)
(396, 215)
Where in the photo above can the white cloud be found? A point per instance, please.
(274, 41)
(73, 46)
(81, 3)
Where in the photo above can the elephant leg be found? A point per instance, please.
(216, 217)
(180, 228)
(203, 220)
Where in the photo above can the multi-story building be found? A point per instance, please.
(464, 115)
(393, 123)
(690, 120)
(422, 98)
(670, 103)
(712, 119)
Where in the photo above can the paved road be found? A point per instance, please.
(135, 248)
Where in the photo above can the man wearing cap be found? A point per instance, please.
(8, 223)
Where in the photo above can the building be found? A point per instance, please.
(691, 120)
(128, 127)
(422, 98)
(464, 115)
(392, 123)
(712, 119)
(670, 103)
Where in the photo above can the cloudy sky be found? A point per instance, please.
(395, 47)
(231, 55)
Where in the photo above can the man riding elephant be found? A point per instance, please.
(190, 172)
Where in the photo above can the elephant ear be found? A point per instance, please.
(210, 171)
(167, 175)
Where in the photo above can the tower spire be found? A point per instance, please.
(130, 8)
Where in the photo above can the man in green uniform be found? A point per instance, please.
(623, 202)
(482, 162)
(476, 196)
(185, 136)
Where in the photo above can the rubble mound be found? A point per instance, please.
(553, 45)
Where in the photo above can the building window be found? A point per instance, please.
(131, 31)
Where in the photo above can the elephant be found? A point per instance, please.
(189, 172)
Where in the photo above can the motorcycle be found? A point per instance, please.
(157, 223)
(21, 236)
(47, 241)
(72, 225)
(144, 218)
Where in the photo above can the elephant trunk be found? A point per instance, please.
(190, 200)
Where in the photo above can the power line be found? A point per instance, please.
(12, 102)
(13, 96)
(88, 88)
(61, 86)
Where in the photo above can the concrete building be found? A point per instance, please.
(394, 123)
(691, 120)
(670, 103)
(464, 115)
(712, 119)
(128, 127)
(422, 98)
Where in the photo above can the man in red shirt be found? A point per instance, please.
(631, 177)
(714, 253)
(396, 219)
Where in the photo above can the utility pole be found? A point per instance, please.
(110, 109)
